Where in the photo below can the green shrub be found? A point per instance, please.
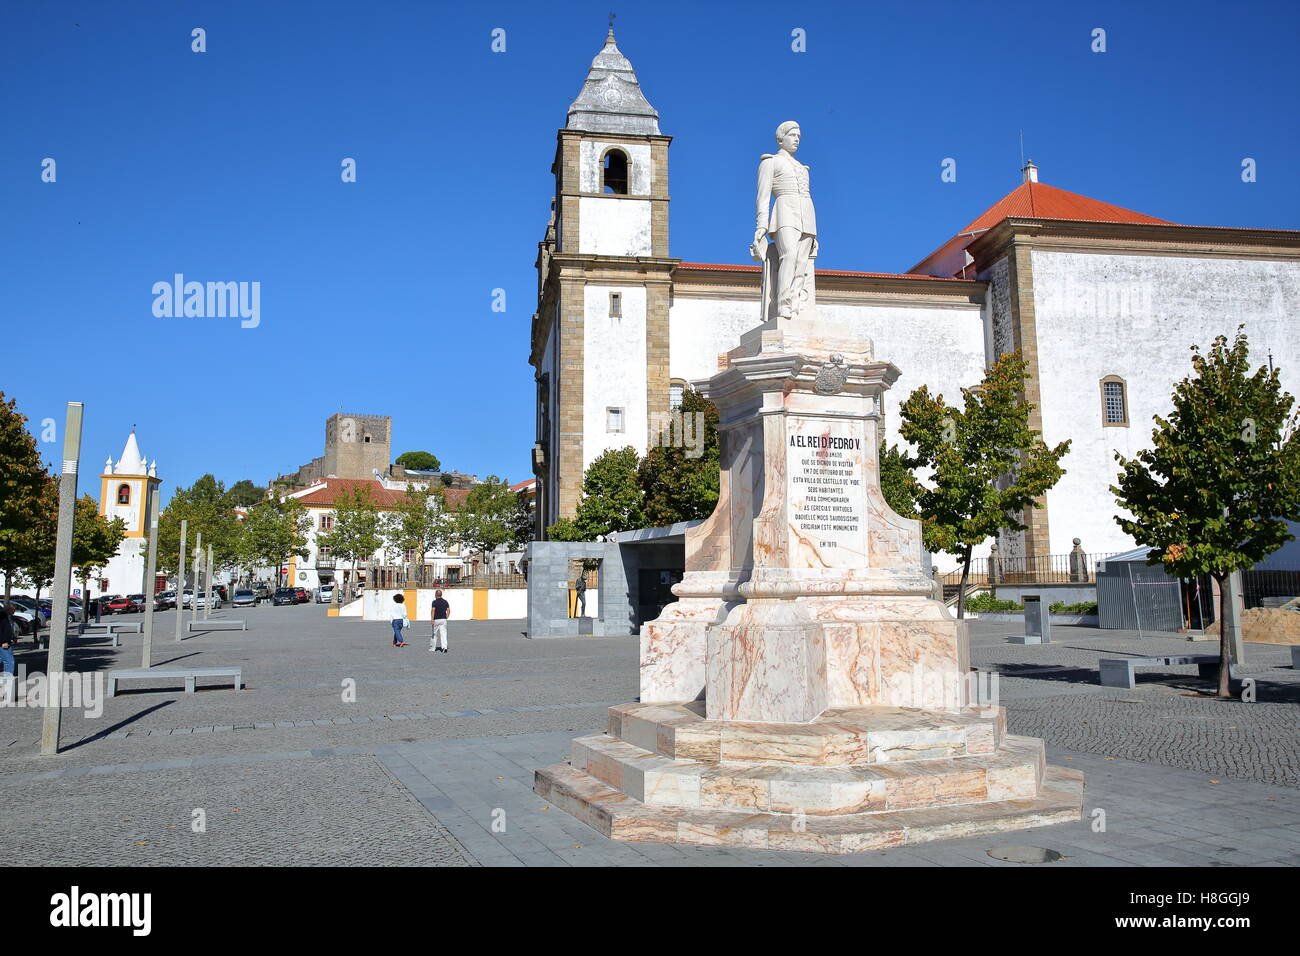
(988, 602)
(1084, 607)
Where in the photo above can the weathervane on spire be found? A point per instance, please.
(612, 15)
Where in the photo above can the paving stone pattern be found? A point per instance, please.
(437, 753)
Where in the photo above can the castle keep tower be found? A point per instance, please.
(357, 445)
(600, 334)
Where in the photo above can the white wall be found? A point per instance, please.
(613, 227)
(640, 175)
(614, 363)
(939, 347)
(1137, 317)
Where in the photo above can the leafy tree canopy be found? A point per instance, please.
(679, 479)
(1213, 493)
(419, 461)
(987, 465)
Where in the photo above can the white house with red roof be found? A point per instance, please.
(1104, 302)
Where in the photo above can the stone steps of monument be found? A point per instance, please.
(622, 817)
(1015, 771)
(839, 737)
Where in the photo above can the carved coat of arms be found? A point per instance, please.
(831, 376)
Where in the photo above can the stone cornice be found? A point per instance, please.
(835, 288)
(1135, 239)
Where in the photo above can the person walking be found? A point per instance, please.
(399, 619)
(440, 611)
(7, 640)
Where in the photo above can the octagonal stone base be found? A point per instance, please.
(854, 779)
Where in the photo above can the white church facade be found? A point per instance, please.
(1104, 303)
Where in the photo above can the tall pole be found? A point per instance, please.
(207, 605)
(150, 571)
(180, 581)
(198, 579)
(62, 580)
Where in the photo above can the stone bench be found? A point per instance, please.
(193, 626)
(114, 639)
(118, 627)
(1118, 671)
(188, 674)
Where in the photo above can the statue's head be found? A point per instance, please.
(787, 136)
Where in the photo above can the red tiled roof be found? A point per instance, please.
(1041, 201)
(326, 495)
(523, 485)
(727, 267)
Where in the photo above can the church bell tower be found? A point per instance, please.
(600, 335)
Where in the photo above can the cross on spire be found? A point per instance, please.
(612, 15)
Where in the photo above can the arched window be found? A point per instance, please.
(123, 494)
(675, 389)
(1114, 402)
(614, 173)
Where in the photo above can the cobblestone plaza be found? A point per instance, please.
(433, 762)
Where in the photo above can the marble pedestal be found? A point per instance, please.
(806, 691)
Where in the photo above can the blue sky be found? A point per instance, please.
(376, 296)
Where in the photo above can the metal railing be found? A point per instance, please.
(424, 576)
(1077, 567)
(1269, 588)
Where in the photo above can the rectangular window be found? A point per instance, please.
(613, 419)
(326, 522)
(675, 396)
(1113, 395)
(616, 305)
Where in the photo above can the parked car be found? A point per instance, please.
(222, 592)
(303, 595)
(201, 599)
(325, 594)
(187, 597)
(135, 603)
(263, 592)
(244, 598)
(74, 610)
(164, 600)
(117, 604)
(22, 619)
(285, 596)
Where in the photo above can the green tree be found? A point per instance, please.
(356, 534)
(22, 480)
(419, 523)
(35, 545)
(897, 483)
(95, 540)
(419, 461)
(987, 465)
(273, 530)
(678, 487)
(491, 516)
(209, 509)
(611, 500)
(1214, 492)
(245, 494)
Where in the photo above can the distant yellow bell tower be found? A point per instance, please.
(124, 493)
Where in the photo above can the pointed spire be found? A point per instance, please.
(131, 462)
(611, 100)
(153, 468)
(108, 465)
